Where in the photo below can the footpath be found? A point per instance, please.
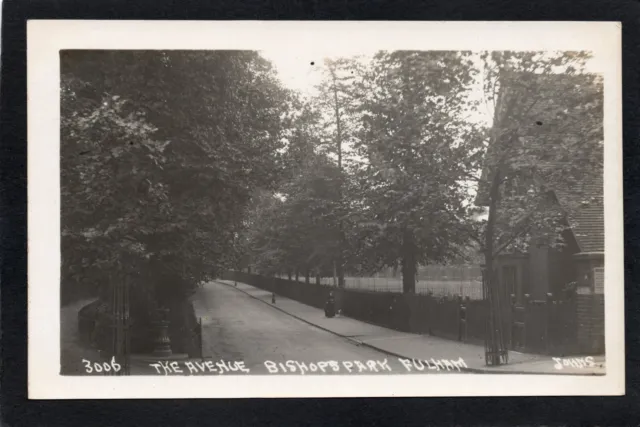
(419, 347)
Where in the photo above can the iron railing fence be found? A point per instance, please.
(543, 327)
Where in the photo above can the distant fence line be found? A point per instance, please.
(437, 280)
(545, 327)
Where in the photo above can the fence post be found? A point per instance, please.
(200, 341)
(527, 308)
(517, 323)
(463, 318)
(548, 313)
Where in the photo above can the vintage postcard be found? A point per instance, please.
(324, 209)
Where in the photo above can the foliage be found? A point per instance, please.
(160, 152)
(178, 165)
(296, 229)
(545, 151)
(416, 143)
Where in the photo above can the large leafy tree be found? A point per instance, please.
(415, 143)
(337, 103)
(159, 153)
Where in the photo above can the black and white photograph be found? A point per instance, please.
(332, 212)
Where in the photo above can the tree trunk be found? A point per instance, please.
(408, 264)
(339, 263)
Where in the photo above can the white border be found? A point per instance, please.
(46, 38)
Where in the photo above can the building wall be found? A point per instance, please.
(590, 312)
(590, 303)
(543, 270)
(538, 272)
(550, 270)
(562, 266)
(520, 263)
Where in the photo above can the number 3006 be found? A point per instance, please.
(91, 367)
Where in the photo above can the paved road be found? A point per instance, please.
(237, 327)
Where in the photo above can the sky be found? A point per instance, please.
(301, 71)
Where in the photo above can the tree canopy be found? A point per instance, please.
(177, 165)
(160, 154)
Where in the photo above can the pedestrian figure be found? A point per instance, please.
(273, 297)
(330, 306)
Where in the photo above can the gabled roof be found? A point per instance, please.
(586, 213)
(585, 207)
